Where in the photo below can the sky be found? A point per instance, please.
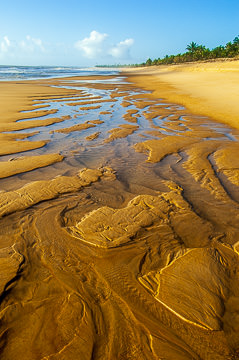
(96, 32)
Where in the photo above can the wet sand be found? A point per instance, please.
(119, 223)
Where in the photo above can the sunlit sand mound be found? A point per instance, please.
(29, 124)
(23, 164)
(228, 162)
(93, 136)
(106, 227)
(200, 290)
(10, 144)
(121, 132)
(38, 191)
(158, 149)
(78, 127)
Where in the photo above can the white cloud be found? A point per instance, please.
(5, 44)
(122, 49)
(20, 48)
(93, 45)
(96, 46)
(31, 44)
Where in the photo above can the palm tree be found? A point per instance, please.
(218, 52)
(236, 40)
(192, 47)
(149, 62)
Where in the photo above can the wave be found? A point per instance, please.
(38, 72)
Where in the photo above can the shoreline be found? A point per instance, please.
(209, 89)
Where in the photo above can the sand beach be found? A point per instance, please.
(119, 215)
(207, 88)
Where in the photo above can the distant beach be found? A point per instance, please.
(207, 88)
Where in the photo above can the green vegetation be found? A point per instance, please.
(113, 66)
(197, 52)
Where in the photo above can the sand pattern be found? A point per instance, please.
(119, 225)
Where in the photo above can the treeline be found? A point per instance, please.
(197, 52)
(113, 66)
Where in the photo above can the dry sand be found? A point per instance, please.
(209, 88)
(125, 247)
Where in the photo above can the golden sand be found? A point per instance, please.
(209, 89)
(78, 127)
(129, 116)
(127, 249)
(158, 149)
(93, 136)
(122, 131)
(10, 145)
(38, 191)
(28, 163)
(90, 107)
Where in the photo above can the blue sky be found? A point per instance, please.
(89, 32)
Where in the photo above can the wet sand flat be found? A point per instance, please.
(119, 221)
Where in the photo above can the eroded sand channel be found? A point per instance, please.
(119, 225)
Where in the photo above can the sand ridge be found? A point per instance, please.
(27, 163)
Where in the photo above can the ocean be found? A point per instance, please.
(13, 73)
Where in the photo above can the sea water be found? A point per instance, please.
(13, 73)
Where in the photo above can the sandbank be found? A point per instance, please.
(27, 163)
(20, 112)
(122, 131)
